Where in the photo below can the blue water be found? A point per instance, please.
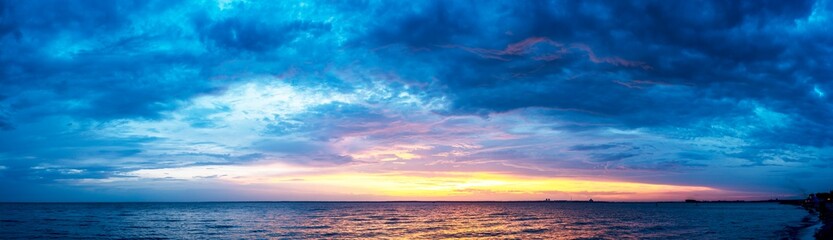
(422, 220)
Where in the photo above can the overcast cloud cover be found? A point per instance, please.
(98, 99)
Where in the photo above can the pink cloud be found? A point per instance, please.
(517, 49)
(610, 60)
(550, 51)
(641, 84)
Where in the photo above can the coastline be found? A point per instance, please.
(825, 228)
(808, 232)
(825, 215)
(821, 208)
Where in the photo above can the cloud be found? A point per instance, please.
(254, 33)
(643, 91)
(687, 70)
(423, 25)
(592, 147)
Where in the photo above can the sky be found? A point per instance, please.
(229, 100)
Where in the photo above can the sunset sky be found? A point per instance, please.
(414, 100)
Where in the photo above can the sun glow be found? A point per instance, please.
(425, 185)
(473, 186)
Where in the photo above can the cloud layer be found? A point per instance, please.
(96, 95)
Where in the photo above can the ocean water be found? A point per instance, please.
(401, 220)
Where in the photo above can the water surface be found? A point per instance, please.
(411, 220)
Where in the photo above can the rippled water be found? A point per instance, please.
(422, 220)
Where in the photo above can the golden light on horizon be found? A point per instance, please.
(420, 185)
(432, 185)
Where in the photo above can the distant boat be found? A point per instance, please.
(691, 201)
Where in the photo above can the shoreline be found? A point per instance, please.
(820, 206)
(809, 232)
(810, 225)
(824, 230)
(825, 225)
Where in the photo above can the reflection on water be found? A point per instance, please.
(424, 220)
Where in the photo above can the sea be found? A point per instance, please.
(402, 220)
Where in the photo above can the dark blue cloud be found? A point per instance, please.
(642, 64)
(91, 59)
(592, 147)
(424, 25)
(255, 33)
